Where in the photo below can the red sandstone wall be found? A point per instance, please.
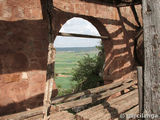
(23, 45)
(119, 24)
(23, 55)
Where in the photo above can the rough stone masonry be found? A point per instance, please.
(24, 46)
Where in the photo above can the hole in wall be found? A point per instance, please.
(69, 50)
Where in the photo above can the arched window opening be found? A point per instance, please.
(71, 49)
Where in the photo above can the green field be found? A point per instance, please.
(65, 62)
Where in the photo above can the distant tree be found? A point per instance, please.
(88, 73)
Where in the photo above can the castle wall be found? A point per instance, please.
(24, 46)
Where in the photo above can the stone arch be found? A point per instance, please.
(61, 17)
(118, 24)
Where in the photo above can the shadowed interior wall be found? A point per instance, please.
(120, 24)
(23, 55)
(24, 42)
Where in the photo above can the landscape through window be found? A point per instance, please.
(69, 50)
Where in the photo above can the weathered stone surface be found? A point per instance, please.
(23, 55)
(119, 24)
(11, 10)
(24, 42)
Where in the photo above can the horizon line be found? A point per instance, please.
(76, 47)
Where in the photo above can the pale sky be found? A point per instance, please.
(80, 26)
